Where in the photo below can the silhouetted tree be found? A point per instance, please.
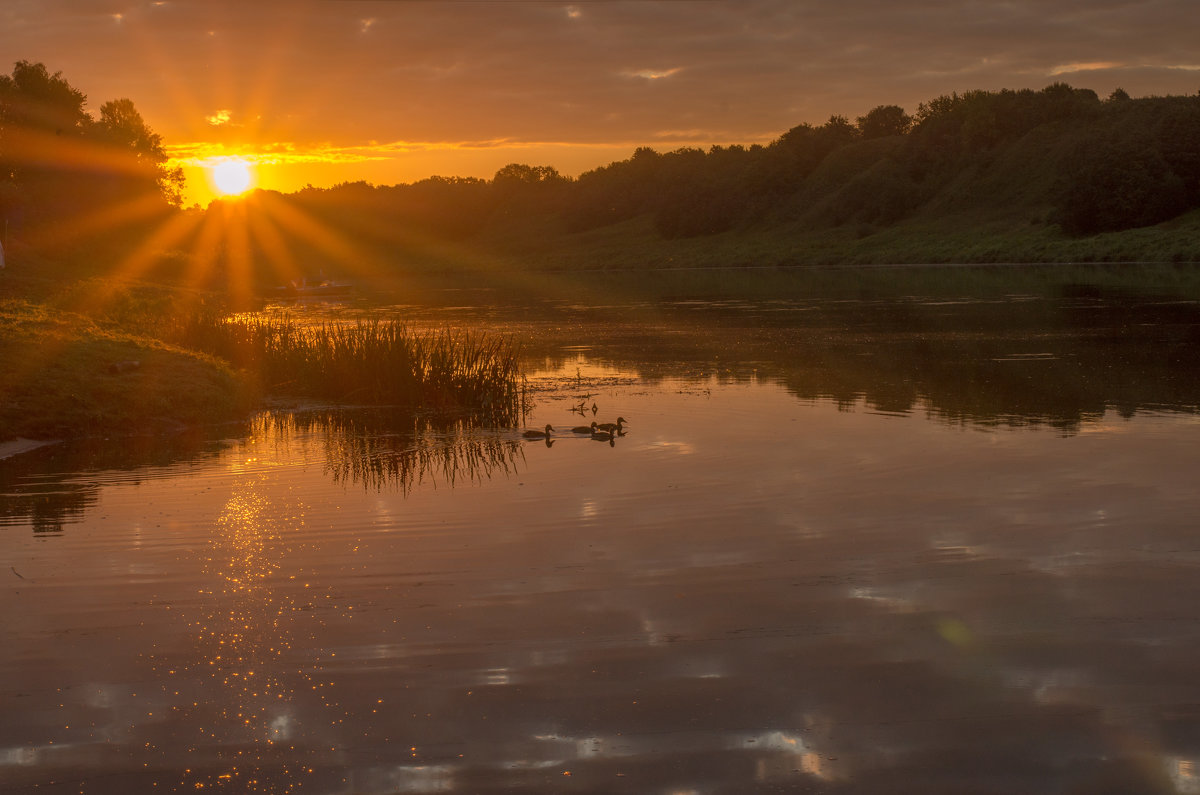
(883, 121)
(139, 162)
(42, 124)
(521, 188)
(58, 163)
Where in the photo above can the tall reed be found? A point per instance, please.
(376, 362)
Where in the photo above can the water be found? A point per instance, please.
(877, 545)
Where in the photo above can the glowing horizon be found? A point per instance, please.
(397, 95)
(287, 167)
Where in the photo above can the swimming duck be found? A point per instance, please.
(538, 434)
(612, 427)
(584, 428)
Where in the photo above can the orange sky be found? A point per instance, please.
(388, 91)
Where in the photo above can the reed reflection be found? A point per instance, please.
(378, 451)
(264, 676)
(1059, 357)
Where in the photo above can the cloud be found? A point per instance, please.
(579, 72)
(653, 74)
(1071, 68)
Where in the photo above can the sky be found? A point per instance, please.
(390, 91)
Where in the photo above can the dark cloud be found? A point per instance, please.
(346, 71)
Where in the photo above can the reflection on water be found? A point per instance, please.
(769, 583)
(243, 706)
(366, 448)
(1059, 359)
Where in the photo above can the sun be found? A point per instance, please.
(231, 176)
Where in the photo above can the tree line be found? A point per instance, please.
(1073, 159)
(1086, 164)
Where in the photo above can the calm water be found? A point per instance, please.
(891, 545)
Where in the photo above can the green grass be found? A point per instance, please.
(60, 328)
(58, 380)
(196, 366)
(959, 234)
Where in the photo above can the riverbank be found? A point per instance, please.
(109, 357)
(96, 356)
(66, 375)
(976, 237)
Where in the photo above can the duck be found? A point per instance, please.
(539, 434)
(584, 428)
(612, 427)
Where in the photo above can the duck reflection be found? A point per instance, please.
(1059, 360)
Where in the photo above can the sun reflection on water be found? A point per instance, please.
(250, 739)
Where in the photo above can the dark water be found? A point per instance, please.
(874, 545)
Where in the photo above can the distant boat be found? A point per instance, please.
(302, 289)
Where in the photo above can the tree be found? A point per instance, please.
(1179, 141)
(42, 119)
(32, 99)
(524, 189)
(521, 174)
(1114, 183)
(140, 162)
(836, 132)
(61, 163)
(884, 121)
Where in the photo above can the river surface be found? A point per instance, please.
(860, 545)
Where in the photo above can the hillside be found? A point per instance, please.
(1056, 175)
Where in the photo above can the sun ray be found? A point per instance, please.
(137, 262)
(205, 252)
(277, 253)
(330, 242)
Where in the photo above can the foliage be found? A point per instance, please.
(1119, 183)
(884, 121)
(58, 164)
(1042, 162)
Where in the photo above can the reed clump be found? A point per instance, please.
(377, 362)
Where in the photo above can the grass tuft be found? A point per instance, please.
(373, 362)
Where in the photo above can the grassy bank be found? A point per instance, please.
(979, 236)
(66, 375)
(101, 357)
(61, 335)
